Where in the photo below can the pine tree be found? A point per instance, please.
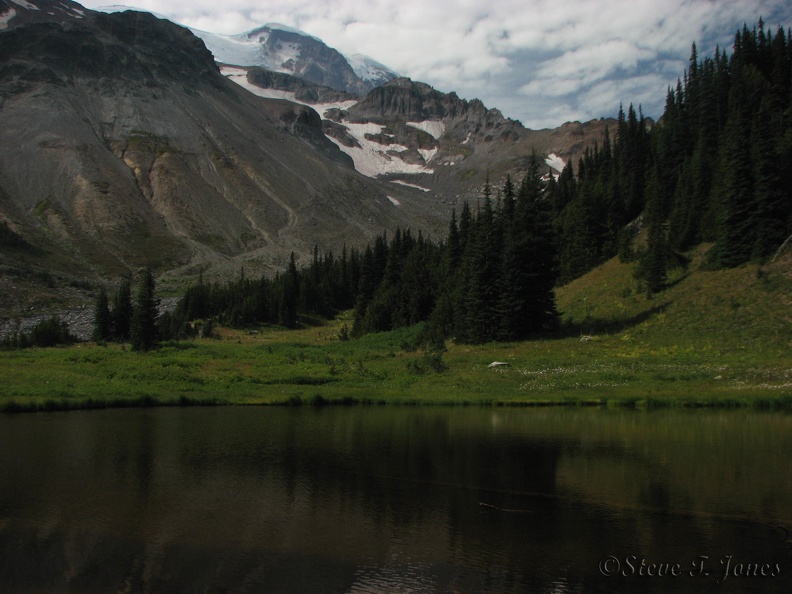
(144, 316)
(122, 312)
(769, 197)
(103, 324)
(654, 263)
(736, 236)
(537, 250)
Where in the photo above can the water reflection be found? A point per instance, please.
(390, 499)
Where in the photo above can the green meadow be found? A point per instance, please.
(713, 338)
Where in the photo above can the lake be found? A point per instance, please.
(395, 499)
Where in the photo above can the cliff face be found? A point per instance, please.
(303, 90)
(415, 101)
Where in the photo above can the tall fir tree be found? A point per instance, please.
(144, 315)
(122, 312)
(103, 323)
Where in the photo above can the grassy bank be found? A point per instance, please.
(699, 343)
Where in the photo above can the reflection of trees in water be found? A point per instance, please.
(223, 498)
(406, 469)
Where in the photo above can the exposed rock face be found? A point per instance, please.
(303, 91)
(122, 145)
(416, 102)
(132, 47)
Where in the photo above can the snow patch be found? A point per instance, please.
(394, 201)
(230, 71)
(249, 49)
(239, 76)
(428, 154)
(5, 17)
(323, 108)
(286, 53)
(409, 185)
(372, 158)
(232, 49)
(433, 128)
(555, 162)
(469, 135)
(24, 4)
(369, 69)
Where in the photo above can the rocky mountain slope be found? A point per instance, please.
(392, 126)
(122, 145)
(410, 134)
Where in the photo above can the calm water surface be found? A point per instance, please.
(390, 499)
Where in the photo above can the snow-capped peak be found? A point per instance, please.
(275, 27)
(369, 69)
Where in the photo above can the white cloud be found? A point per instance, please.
(540, 61)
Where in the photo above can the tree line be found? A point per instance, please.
(136, 321)
(45, 333)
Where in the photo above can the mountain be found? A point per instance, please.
(283, 49)
(122, 145)
(408, 133)
(392, 127)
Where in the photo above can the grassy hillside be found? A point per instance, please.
(745, 309)
(713, 338)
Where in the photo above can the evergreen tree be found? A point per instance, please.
(736, 237)
(537, 258)
(144, 315)
(769, 215)
(122, 312)
(103, 324)
(653, 266)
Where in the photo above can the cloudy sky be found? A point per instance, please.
(543, 62)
